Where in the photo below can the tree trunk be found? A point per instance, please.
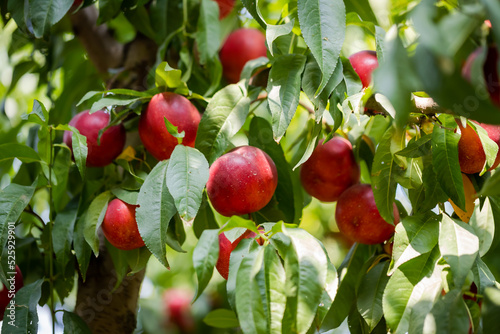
(105, 310)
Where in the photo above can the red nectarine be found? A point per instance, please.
(120, 227)
(152, 129)
(242, 181)
(111, 142)
(330, 170)
(364, 62)
(241, 46)
(358, 217)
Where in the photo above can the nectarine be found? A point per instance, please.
(120, 227)
(241, 46)
(330, 170)
(364, 62)
(358, 217)
(111, 142)
(242, 181)
(152, 129)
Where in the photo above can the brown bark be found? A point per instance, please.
(104, 309)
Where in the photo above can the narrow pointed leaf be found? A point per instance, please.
(459, 247)
(205, 257)
(187, 175)
(414, 236)
(25, 318)
(156, 209)
(284, 90)
(445, 162)
(370, 294)
(208, 34)
(249, 304)
(483, 223)
(225, 115)
(93, 219)
(323, 25)
(274, 274)
(46, 13)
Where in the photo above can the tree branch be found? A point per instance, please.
(103, 50)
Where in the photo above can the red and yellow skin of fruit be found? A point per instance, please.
(489, 70)
(471, 154)
(225, 249)
(152, 129)
(111, 143)
(225, 7)
(120, 227)
(330, 170)
(177, 303)
(241, 46)
(364, 62)
(358, 218)
(4, 293)
(242, 181)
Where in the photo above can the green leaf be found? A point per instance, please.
(156, 209)
(417, 148)
(25, 318)
(349, 273)
(208, 34)
(414, 236)
(491, 186)
(82, 249)
(137, 259)
(140, 19)
(394, 77)
(187, 175)
(489, 146)
(249, 304)
(445, 161)
(274, 275)
(459, 247)
(38, 114)
(399, 289)
(490, 310)
(384, 171)
(311, 271)
(361, 8)
(108, 9)
(275, 31)
(22, 152)
(45, 13)
(483, 223)
(323, 25)
(168, 77)
(253, 8)
(61, 167)
(205, 256)
(284, 90)
(225, 115)
(62, 233)
(311, 80)
(449, 314)
(93, 219)
(80, 150)
(73, 324)
(13, 200)
(113, 100)
(238, 222)
(129, 197)
(370, 294)
(289, 191)
(237, 256)
(221, 318)
(205, 219)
